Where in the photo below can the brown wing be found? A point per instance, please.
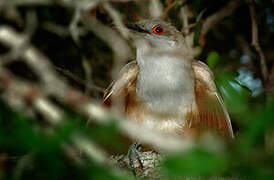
(117, 90)
(212, 112)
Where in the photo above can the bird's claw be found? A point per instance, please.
(134, 153)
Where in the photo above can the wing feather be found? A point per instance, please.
(118, 88)
(212, 112)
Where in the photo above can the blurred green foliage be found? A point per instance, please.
(196, 162)
(40, 151)
(246, 157)
(212, 59)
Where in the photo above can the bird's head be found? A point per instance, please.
(157, 33)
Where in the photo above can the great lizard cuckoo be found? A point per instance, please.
(165, 88)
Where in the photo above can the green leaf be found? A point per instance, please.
(260, 123)
(235, 96)
(212, 59)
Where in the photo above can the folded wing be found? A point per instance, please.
(117, 91)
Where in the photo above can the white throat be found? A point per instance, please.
(165, 81)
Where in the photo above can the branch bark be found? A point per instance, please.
(255, 40)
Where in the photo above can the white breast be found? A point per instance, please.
(165, 83)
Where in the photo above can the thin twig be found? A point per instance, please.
(216, 18)
(187, 28)
(135, 15)
(255, 40)
(67, 3)
(75, 31)
(88, 74)
(57, 29)
(155, 8)
(246, 50)
(120, 47)
(184, 17)
(79, 80)
(23, 163)
(172, 5)
(169, 7)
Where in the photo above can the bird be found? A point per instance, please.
(165, 88)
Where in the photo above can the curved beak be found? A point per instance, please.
(136, 27)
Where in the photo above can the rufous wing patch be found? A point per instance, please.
(213, 115)
(118, 90)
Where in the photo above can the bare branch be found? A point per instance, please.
(22, 164)
(169, 7)
(155, 8)
(117, 18)
(182, 3)
(246, 50)
(214, 19)
(255, 40)
(135, 15)
(83, 105)
(29, 2)
(55, 86)
(29, 92)
(22, 43)
(73, 27)
(184, 17)
(56, 29)
(69, 3)
(87, 83)
(92, 150)
(122, 51)
(88, 76)
(36, 60)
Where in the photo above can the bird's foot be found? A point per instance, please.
(134, 154)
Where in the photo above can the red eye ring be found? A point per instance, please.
(158, 30)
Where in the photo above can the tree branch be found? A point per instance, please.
(79, 80)
(56, 87)
(255, 40)
(214, 19)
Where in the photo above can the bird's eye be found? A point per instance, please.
(158, 29)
